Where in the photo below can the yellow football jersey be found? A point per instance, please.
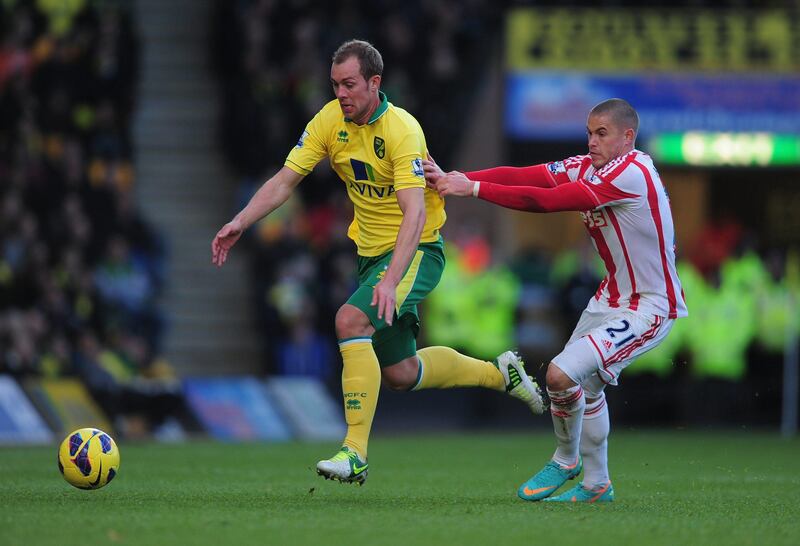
(374, 160)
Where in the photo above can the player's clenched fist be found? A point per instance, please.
(224, 240)
(454, 183)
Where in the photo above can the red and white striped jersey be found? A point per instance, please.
(631, 228)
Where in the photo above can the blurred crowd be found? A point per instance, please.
(744, 305)
(80, 269)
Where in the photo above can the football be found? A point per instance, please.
(88, 458)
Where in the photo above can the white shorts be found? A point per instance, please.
(605, 341)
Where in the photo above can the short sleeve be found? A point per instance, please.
(310, 147)
(407, 161)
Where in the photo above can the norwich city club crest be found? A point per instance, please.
(380, 147)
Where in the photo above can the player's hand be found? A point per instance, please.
(454, 183)
(224, 240)
(384, 295)
(432, 172)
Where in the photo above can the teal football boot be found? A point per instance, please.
(548, 480)
(579, 493)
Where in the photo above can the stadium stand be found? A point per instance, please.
(81, 271)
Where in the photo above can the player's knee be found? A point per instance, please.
(352, 322)
(401, 376)
(558, 380)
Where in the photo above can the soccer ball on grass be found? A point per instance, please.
(88, 458)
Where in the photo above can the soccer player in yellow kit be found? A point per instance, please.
(377, 149)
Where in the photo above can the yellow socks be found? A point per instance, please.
(440, 368)
(445, 368)
(361, 381)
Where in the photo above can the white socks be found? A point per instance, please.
(576, 422)
(594, 443)
(566, 408)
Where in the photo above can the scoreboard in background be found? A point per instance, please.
(706, 84)
(675, 40)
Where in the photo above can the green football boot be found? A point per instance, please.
(346, 466)
(518, 383)
(548, 479)
(579, 493)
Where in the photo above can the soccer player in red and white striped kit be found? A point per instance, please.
(626, 211)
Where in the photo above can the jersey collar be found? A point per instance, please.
(383, 105)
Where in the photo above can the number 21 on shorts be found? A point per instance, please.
(616, 334)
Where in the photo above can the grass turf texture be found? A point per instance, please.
(672, 488)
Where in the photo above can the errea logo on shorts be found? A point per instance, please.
(416, 167)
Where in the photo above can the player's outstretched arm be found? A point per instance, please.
(564, 197)
(271, 195)
(560, 198)
(535, 175)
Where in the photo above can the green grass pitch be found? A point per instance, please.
(673, 488)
